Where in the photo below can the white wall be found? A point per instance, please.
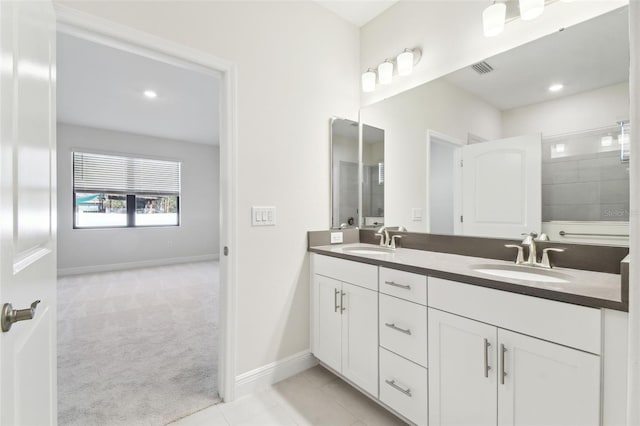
(450, 36)
(405, 118)
(81, 250)
(298, 65)
(602, 107)
(441, 187)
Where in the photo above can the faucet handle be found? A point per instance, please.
(393, 240)
(520, 257)
(543, 237)
(545, 263)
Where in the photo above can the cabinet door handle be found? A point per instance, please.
(393, 384)
(486, 358)
(342, 308)
(335, 300)
(503, 373)
(401, 330)
(394, 284)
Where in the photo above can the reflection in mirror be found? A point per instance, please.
(372, 176)
(564, 98)
(344, 173)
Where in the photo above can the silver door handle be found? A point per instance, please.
(10, 315)
(486, 358)
(392, 383)
(342, 308)
(335, 300)
(394, 284)
(503, 373)
(401, 330)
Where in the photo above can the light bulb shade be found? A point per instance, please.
(493, 19)
(385, 72)
(531, 9)
(369, 81)
(405, 62)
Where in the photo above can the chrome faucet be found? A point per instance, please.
(530, 240)
(385, 239)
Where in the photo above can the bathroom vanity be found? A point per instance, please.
(437, 340)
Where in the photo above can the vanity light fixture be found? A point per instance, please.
(531, 9)
(493, 19)
(150, 94)
(405, 61)
(560, 147)
(385, 72)
(369, 81)
(556, 87)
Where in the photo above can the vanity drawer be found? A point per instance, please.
(405, 285)
(403, 328)
(360, 274)
(403, 386)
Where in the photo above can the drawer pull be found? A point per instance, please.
(335, 300)
(392, 383)
(394, 284)
(401, 330)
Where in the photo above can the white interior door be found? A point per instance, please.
(27, 211)
(501, 183)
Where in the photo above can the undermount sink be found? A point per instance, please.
(367, 250)
(520, 272)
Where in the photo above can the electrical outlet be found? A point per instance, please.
(416, 214)
(336, 238)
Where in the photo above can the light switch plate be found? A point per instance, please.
(416, 214)
(336, 238)
(263, 216)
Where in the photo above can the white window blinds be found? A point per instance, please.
(127, 175)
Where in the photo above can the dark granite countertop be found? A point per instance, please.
(586, 288)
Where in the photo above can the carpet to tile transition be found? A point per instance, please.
(137, 347)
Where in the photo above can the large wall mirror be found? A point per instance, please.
(357, 175)
(533, 139)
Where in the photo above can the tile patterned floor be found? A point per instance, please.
(314, 397)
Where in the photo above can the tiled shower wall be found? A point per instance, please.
(587, 187)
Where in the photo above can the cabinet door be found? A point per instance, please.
(327, 321)
(360, 337)
(546, 384)
(462, 371)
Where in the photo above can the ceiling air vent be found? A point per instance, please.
(482, 67)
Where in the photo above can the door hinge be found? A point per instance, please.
(461, 163)
(461, 219)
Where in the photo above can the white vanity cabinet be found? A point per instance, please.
(484, 374)
(345, 319)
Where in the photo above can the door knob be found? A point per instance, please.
(10, 315)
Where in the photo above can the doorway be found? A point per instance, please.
(150, 48)
(444, 184)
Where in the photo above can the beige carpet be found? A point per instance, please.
(137, 347)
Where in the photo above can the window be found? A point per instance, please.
(117, 191)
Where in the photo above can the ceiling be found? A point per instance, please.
(100, 86)
(583, 57)
(358, 12)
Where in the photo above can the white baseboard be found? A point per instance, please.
(267, 375)
(134, 265)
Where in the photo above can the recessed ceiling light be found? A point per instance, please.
(150, 94)
(555, 87)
